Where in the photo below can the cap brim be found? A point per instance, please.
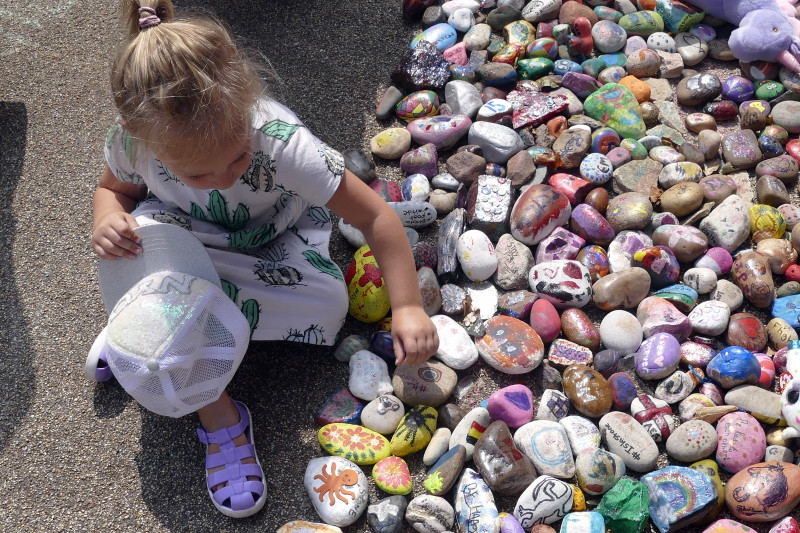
(164, 247)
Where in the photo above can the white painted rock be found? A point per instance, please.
(476, 255)
(439, 444)
(498, 143)
(710, 318)
(626, 437)
(553, 406)
(369, 376)
(540, 10)
(547, 446)
(470, 429)
(621, 331)
(383, 414)
(598, 470)
(474, 504)
(414, 214)
(564, 283)
(545, 501)
(301, 526)
(675, 387)
(728, 225)
(728, 292)
(430, 290)
(430, 514)
(351, 234)
(692, 441)
(464, 98)
(701, 279)
(581, 432)
(337, 488)
(456, 348)
(484, 297)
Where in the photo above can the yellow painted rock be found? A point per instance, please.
(710, 468)
(414, 431)
(366, 289)
(356, 443)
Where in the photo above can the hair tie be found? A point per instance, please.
(148, 18)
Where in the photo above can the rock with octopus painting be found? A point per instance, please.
(474, 504)
(510, 345)
(355, 443)
(506, 470)
(429, 383)
(545, 501)
(537, 212)
(764, 492)
(456, 348)
(414, 431)
(564, 283)
(337, 488)
(679, 496)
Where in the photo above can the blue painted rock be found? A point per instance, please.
(545, 501)
(563, 283)
(505, 469)
(474, 504)
(512, 405)
(583, 522)
(658, 356)
(444, 473)
(617, 107)
(414, 431)
(369, 298)
(679, 496)
(355, 443)
(741, 441)
(546, 444)
(738, 88)
(443, 131)
(596, 168)
(623, 391)
(537, 212)
(657, 315)
(341, 406)
(560, 244)
(563, 66)
(677, 15)
(442, 35)
(337, 489)
(598, 470)
(734, 366)
(786, 308)
(764, 492)
(510, 345)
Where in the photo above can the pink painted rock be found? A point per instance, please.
(785, 525)
(560, 244)
(442, 131)
(763, 492)
(544, 320)
(565, 283)
(510, 345)
(726, 525)
(686, 242)
(741, 442)
(537, 212)
(513, 405)
(717, 259)
(392, 476)
(657, 315)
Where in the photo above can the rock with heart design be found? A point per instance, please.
(752, 274)
(545, 501)
(764, 492)
(537, 212)
(546, 444)
(588, 390)
(658, 356)
(510, 345)
(512, 405)
(505, 469)
(741, 441)
(747, 331)
(655, 415)
(598, 470)
(679, 496)
(734, 366)
(564, 283)
(337, 489)
(657, 315)
(686, 242)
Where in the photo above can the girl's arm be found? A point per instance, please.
(415, 338)
(113, 235)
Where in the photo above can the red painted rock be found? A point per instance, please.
(537, 212)
(741, 442)
(763, 492)
(793, 149)
(578, 328)
(588, 390)
(573, 187)
(565, 283)
(786, 525)
(544, 320)
(752, 274)
(747, 331)
(510, 345)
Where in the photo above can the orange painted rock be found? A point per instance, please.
(510, 345)
(764, 492)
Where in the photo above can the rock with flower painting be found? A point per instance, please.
(415, 430)
(510, 345)
(392, 476)
(356, 443)
(337, 488)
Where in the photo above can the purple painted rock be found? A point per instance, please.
(510, 345)
(564, 353)
(560, 244)
(660, 263)
(505, 469)
(657, 315)
(516, 304)
(658, 356)
(747, 331)
(442, 131)
(595, 259)
(537, 212)
(578, 328)
(588, 391)
(513, 405)
(717, 259)
(544, 320)
(686, 242)
(764, 492)
(752, 274)
(623, 391)
(741, 441)
(423, 160)
(591, 226)
(563, 283)
(582, 85)
(339, 407)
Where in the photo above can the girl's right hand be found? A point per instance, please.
(114, 236)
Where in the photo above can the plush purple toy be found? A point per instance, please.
(768, 29)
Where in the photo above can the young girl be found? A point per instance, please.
(198, 145)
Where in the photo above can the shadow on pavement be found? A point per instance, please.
(17, 382)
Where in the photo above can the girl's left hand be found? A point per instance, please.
(415, 337)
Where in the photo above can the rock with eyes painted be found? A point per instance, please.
(790, 399)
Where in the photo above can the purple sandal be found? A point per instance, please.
(97, 368)
(240, 497)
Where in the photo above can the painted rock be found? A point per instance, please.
(710, 318)
(553, 406)
(785, 525)
(727, 225)
(658, 356)
(546, 444)
(456, 348)
(414, 214)
(392, 476)
(686, 242)
(438, 446)
(498, 143)
(578, 328)
(369, 298)
(711, 469)
(617, 107)
(590, 225)
(383, 414)
(301, 526)
(510, 345)
(337, 489)
(545, 501)
(386, 515)
(445, 471)
(763, 405)
(588, 390)
(560, 244)
(702, 280)
(512, 405)
(621, 289)
(660, 263)
(753, 275)
(655, 416)
(564, 353)
(476, 255)
(623, 390)
(350, 345)
(728, 292)
(717, 259)
(625, 507)
(741, 442)
(355, 443)
(505, 469)
(564, 283)
(621, 331)
(763, 492)
(537, 212)
(598, 470)
(489, 204)
(341, 406)
(766, 217)
(629, 211)
(587, 521)
(692, 441)
(470, 429)
(544, 319)
(734, 366)
(679, 496)
(416, 187)
(581, 432)
(683, 297)
(627, 438)
(696, 354)
(430, 514)
(442, 35)
(747, 331)
(624, 245)
(474, 504)
(390, 143)
(693, 403)
(676, 387)
(417, 105)
(429, 383)
(443, 131)
(369, 376)
(414, 431)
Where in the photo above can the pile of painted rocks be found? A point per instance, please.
(599, 244)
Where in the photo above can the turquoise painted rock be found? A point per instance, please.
(679, 496)
(625, 507)
(442, 35)
(615, 106)
(583, 522)
(678, 16)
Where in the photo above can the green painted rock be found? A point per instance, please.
(626, 507)
(392, 476)
(768, 89)
(616, 107)
(445, 471)
(534, 68)
(642, 23)
(678, 16)
(415, 430)
(355, 443)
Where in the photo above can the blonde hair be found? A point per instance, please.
(182, 82)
